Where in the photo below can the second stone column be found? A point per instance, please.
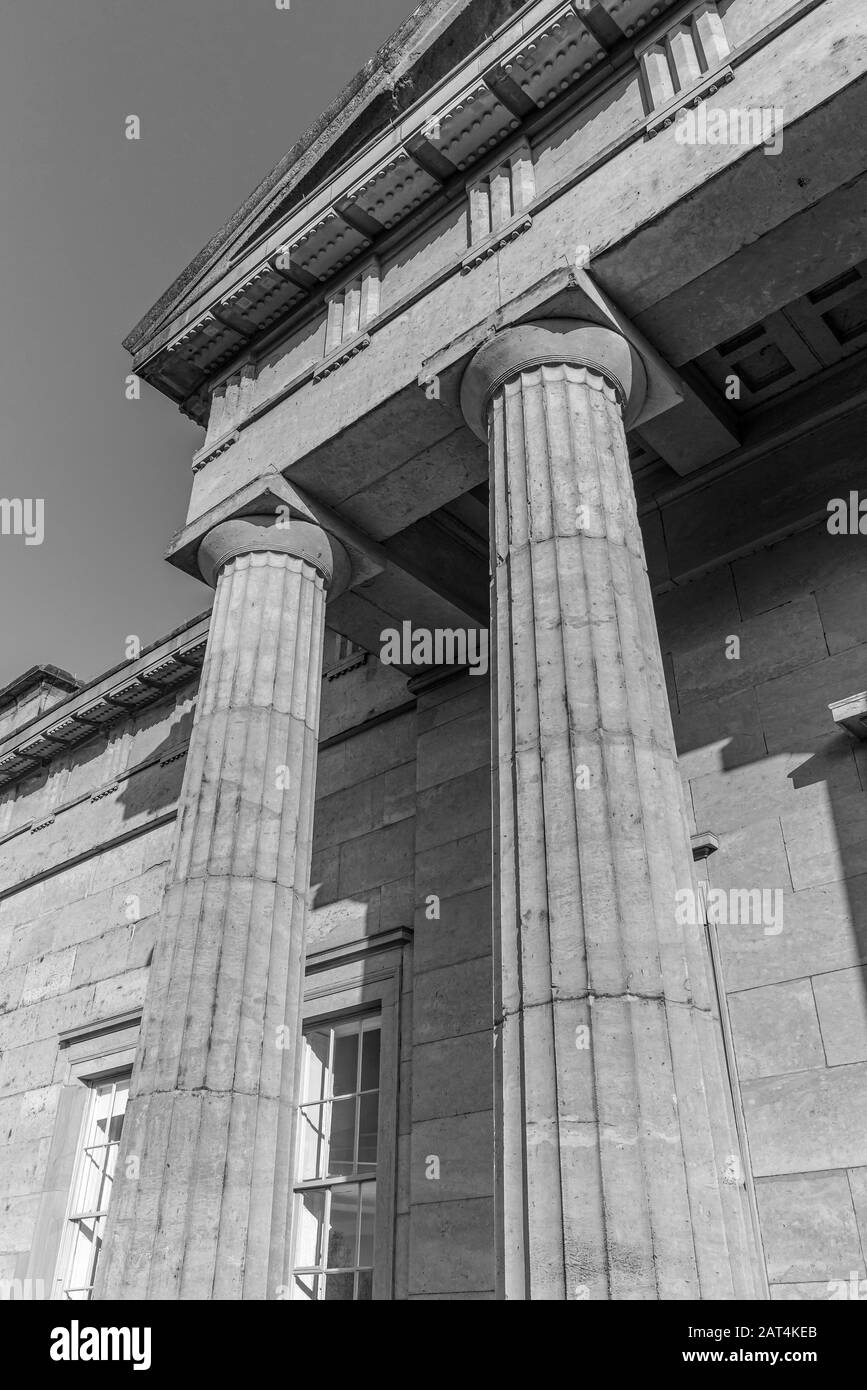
(615, 1123)
(204, 1176)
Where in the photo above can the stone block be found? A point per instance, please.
(803, 782)
(718, 735)
(771, 645)
(18, 1221)
(455, 867)
(324, 875)
(811, 560)
(449, 750)
(32, 939)
(452, 1247)
(349, 812)
(824, 928)
(104, 956)
(331, 769)
(808, 1227)
(453, 1000)
(458, 1152)
(48, 975)
(462, 931)
(376, 750)
(775, 1029)
(376, 858)
(751, 857)
(35, 1113)
(117, 865)
(858, 1188)
(794, 708)
(454, 1076)
(24, 1167)
(138, 898)
(843, 612)
(157, 846)
(823, 848)
(841, 1001)
(46, 1018)
(11, 985)
(119, 994)
(398, 793)
(20, 907)
(397, 903)
(809, 1121)
(343, 919)
(474, 694)
(83, 919)
(365, 693)
(687, 611)
(454, 809)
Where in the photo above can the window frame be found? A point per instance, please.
(89, 1052)
(362, 978)
(66, 1245)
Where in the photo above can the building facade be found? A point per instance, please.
(469, 905)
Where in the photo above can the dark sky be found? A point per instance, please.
(93, 228)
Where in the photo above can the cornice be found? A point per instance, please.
(127, 690)
(542, 55)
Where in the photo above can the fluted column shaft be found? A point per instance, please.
(202, 1210)
(615, 1122)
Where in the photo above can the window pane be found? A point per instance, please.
(121, 1095)
(85, 1248)
(339, 1287)
(367, 1131)
(370, 1060)
(101, 1113)
(334, 1223)
(305, 1287)
(310, 1218)
(92, 1188)
(346, 1063)
(313, 1119)
(316, 1047)
(367, 1222)
(89, 1185)
(343, 1227)
(342, 1139)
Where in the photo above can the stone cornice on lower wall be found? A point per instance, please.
(153, 677)
(101, 847)
(157, 675)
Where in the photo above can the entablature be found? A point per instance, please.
(539, 57)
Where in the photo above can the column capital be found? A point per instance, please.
(247, 535)
(554, 341)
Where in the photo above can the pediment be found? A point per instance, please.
(436, 37)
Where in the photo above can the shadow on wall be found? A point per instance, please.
(157, 786)
(766, 771)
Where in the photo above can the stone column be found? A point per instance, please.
(615, 1126)
(200, 1207)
